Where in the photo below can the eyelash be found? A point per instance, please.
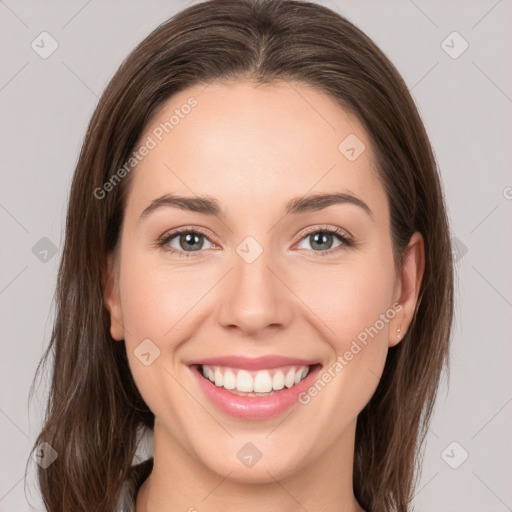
(165, 239)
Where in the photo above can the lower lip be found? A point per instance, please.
(255, 407)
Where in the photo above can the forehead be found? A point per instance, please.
(251, 145)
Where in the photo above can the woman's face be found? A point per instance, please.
(260, 276)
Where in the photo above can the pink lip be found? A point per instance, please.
(253, 363)
(254, 407)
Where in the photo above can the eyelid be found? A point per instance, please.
(324, 227)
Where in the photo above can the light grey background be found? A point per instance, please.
(466, 105)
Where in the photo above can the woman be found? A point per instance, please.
(257, 270)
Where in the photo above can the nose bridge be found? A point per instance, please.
(256, 298)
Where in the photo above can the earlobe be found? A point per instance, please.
(413, 267)
(112, 300)
(396, 331)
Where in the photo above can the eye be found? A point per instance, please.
(184, 242)
(322, 239)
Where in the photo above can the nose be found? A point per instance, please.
(255, 297)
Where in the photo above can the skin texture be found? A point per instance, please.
(255, 148)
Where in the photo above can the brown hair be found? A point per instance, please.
(94, 407)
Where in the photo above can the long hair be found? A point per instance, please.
(94, 408)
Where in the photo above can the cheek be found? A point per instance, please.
(156, 297)
(155, 302)
(357, 310)
(160, 302)
(354, 301)
(355, 315)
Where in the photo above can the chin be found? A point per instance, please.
(253, 463)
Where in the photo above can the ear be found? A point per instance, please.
(407, 288)
(112, 299)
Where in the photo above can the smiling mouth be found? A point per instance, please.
(257, 383)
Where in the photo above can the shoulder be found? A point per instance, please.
(130, 487)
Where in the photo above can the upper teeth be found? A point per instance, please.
(262, 381)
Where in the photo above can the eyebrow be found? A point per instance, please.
(210, 206)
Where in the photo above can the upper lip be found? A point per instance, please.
(253, 363)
